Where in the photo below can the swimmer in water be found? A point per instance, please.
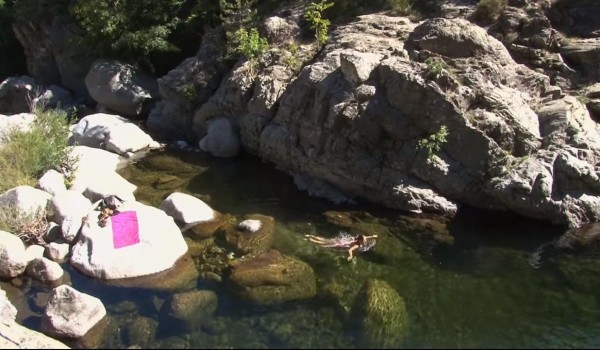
(345, 241)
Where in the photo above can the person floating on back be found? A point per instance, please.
(353, 244)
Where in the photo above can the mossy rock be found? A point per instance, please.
(193, 305)
(340, 293)
(435, 229)
(207, 229)
(272, 278)
(580, 272)
(197, 247)
(141, 331)
(165, 162)
(381, 314)
(168, 182)
(347, 219)
(245, 242)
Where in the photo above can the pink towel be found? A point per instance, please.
(125, 229)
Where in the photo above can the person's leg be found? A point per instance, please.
(318, 240)
(314, 239)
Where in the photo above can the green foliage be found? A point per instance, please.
(236, 15)
(250, 44)
(435, 66)
(489, 10)
(29, 154)
(131, 30)
(142, 31)
(292, 60)
(434, 142)
(190, 92)
(400, 7)
(314, 16)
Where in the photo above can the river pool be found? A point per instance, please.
(467, 282)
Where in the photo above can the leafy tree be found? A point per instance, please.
(314, 16)
(131, 30)
(144, 32)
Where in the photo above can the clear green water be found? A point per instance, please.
(472, 287)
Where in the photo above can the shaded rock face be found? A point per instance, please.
(51, 56)
(272, 278)
(187, 86)
(576, 17)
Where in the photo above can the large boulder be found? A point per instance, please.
(13, 259)
(16, 336)
(186, 209)
(144, 242)
(70, 313)
(17, 94)
(26, 200)
(121, 87)
(69, 208)
(95, 176)
(15, 122)
(222, 139)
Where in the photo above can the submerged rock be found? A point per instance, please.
(252, 241)
(273, 278)
(382, 314)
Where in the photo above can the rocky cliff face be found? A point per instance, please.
(354, 118)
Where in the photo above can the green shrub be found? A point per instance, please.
(489, 10)
(314, 16)
(152, 34)
(250, 44)
(30, 228)
(190, 92)
(29, 154)
(131, 30)
(434, 142)
(236, 15)
(292, 60)
(435, 66)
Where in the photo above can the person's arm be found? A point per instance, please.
(351, 252)
(373, 236)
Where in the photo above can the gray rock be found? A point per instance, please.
(121, 87)
(70, 313)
